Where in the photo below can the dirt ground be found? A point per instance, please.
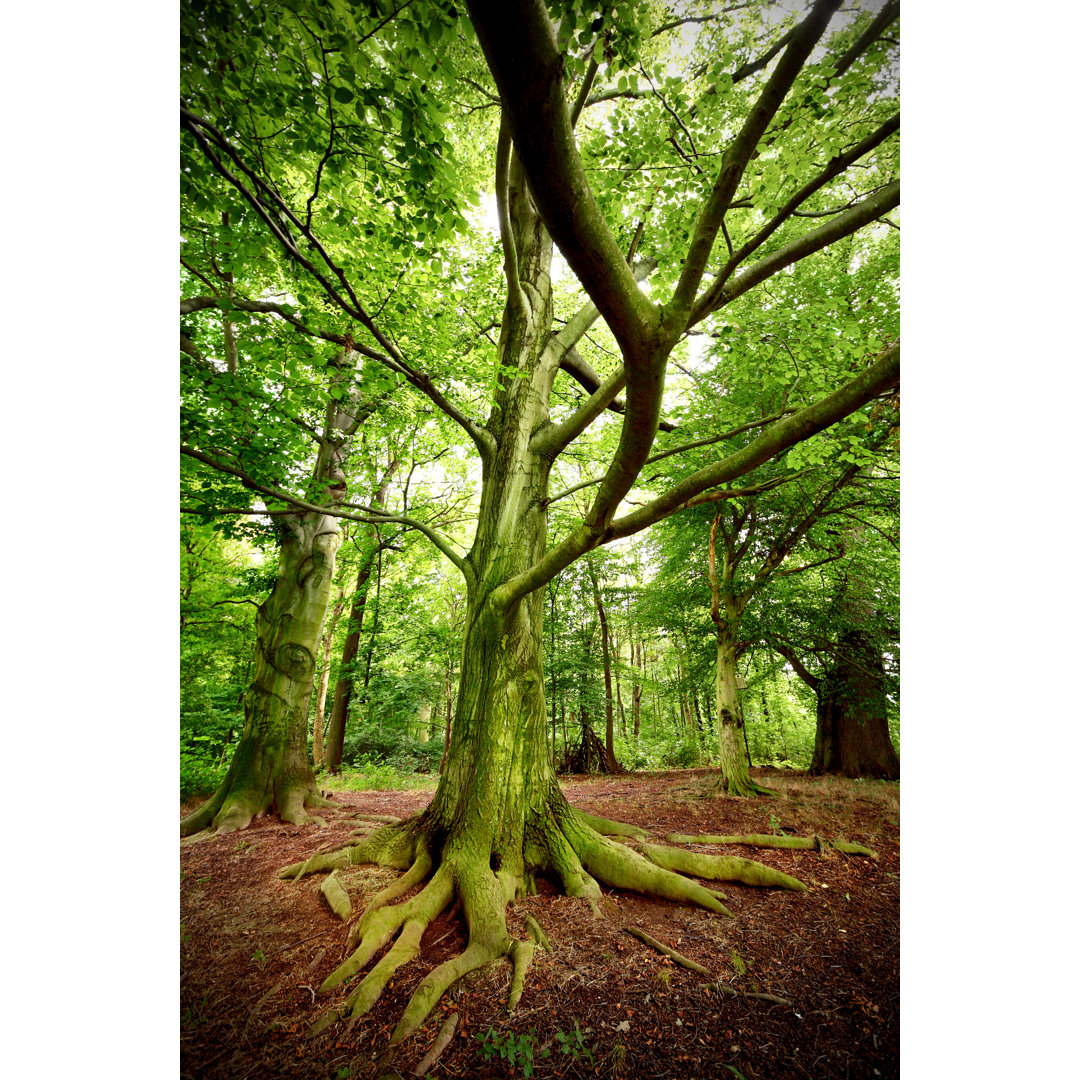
(254, 950)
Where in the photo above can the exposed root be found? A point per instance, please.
(323, 1023)
(442, 1041)
(744, 789)
(574, 846)
(692, 965)
(537, 933)
(385, 819)
(795, 843)
(336, 897)
(483, 901)
(378, 927)
(230, 808)
(719, 867)
(413, 876)
(723, 988)
(686, 962)
(611, 828)
(624, 868)
(392, 845)
(521, 955)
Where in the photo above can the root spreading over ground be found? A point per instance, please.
(396, 881)
(580, 850)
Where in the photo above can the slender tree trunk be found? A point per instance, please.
(732, 748)
(635, 707)
(374, 626)
(317, 755)
(343, 688)
(609, 729)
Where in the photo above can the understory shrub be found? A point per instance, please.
(200, 773)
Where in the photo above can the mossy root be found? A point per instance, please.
(336, 897)
(378, 927)
(611, 828)
(792, 843)
(623, 868)
(392, 845)
(720, 867)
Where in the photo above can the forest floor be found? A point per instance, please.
(254, 949)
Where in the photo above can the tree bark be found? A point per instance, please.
(343, 688)
(270, 769)
(852, 737)
(318, 722)
(609, 730)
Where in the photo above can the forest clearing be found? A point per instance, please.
(255, 948)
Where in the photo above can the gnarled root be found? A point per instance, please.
(795, 843)
(720, 867)
(465, 871)
(233, 805)
(393, 845)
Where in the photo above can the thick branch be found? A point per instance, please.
(519, 44)
(882, 375)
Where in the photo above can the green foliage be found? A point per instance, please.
(368, 774)
(518, 1051)
(572, 1044)
(199, 774)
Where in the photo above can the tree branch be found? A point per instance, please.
(369, 516)
(870, 209)
(881, 375)
(738, 154)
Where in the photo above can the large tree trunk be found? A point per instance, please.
(270, 769)
(852, 737)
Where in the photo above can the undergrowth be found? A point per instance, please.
(369, 774)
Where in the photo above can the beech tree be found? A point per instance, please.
(717, 161)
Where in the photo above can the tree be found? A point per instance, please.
(843, 642)
(780, 146)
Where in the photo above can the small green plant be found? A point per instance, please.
(663, 976)
(517, 1051)
(738, 963)
(573, 1043)
(343, 1072)
(774, 823)
(258, 955)
(618, 1057)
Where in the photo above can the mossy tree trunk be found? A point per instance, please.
(726, 613)
(270, 769)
